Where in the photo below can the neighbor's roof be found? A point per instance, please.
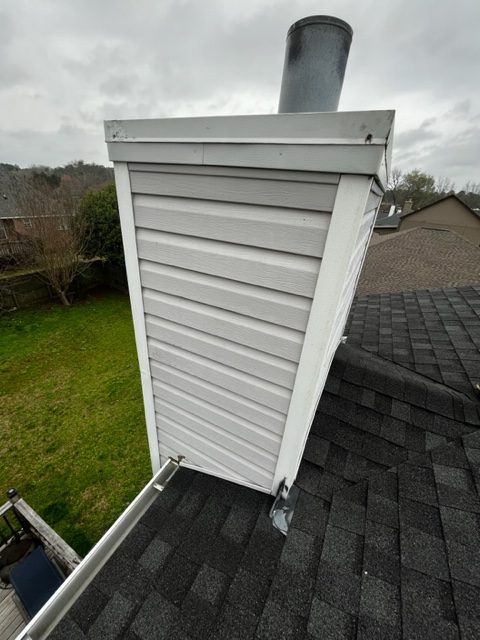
(388, 222)
(7, 205)
(432, 204)
(385, 539)
(419, 258)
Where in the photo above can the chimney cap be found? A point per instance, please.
(331, 20)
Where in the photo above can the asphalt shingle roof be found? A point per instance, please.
(435, 332)
(384, 542)
(419, 258)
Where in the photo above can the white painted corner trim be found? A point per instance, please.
(127, 220)
(347, 218)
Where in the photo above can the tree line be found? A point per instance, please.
(422, 189)
(63, 218)
(73, 213)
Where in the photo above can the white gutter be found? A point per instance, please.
(54, 609)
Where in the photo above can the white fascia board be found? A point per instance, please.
(125, 207)
(356, 127)
(353, 159)
(347, 217)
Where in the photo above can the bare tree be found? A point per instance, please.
(444, 186)
(395, 184)
(472, 187)
(56, 233)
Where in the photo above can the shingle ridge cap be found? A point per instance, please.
(371, 361)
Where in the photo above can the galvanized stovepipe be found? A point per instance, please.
(315, 59)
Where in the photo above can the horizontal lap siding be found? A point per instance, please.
(265, 268)
(301, 195)
(298, 232)
(258, 363)
(228, 265)
(253, 301)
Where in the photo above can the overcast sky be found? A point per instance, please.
(67, 65)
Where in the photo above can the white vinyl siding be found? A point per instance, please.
(228, 266)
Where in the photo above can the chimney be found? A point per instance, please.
(407, 207)
(315, 59)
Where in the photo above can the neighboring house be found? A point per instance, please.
(419, 258)
(448, 213)
(14, 229)
(385, 537)
(385, 225)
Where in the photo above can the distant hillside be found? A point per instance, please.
(84, 176)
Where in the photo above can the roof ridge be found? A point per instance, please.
(415, 377)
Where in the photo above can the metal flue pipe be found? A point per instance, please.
(315, 59)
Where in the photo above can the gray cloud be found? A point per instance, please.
(67, 66)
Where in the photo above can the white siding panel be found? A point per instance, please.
(173, 445)
(319, 197)
(237, 447)
(271, 269)
(258, 363)
(251, 433)
(276, 340)
(237, 405)
(269, 174)
(256, 302)
(256, 389)
(294, 231)
(207, 445)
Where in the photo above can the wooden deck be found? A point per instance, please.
(11, 620)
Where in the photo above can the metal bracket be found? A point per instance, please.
(165, 480)
(283, 507)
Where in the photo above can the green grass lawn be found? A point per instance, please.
(72, 428)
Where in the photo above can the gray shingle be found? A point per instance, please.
(155, 555)
(464, 562)
(423, 552)
(467, 604)
(328, 623)
(421, 516)
(211, 585)
(337, 588)
(380, 600)
(249, 590)
(347, 515)
(235, 623)
(300, 552)
(67, 628)
(382, 510)
(427, 607)
(156, 618)
(343, 549)
(279, 622)
(113, 620)
(88, 607)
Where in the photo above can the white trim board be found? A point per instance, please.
(125, 207)
(334, 127)
(347, 218)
